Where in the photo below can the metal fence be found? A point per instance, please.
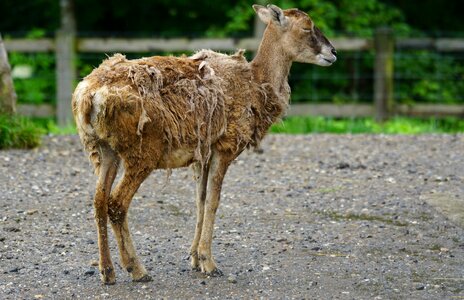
(374, 87)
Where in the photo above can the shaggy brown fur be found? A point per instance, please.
(170, 112)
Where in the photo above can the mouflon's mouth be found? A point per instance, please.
(328, 61)
(325, 60)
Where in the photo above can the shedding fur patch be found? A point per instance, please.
(184, 102)
(148, 81)
(170, 103)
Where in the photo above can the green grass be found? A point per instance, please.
(49, 126)
(397, 125)
(18, 132)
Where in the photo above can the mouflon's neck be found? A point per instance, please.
(272, 63)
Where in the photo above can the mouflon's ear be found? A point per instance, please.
(271, 13)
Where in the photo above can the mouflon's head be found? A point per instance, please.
(299, 36)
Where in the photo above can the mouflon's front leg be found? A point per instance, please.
(217, 170)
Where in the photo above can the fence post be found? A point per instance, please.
(7, 91)
(65, 67)
(384, 45)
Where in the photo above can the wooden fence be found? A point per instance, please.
(65, 46)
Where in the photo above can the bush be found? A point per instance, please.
(18, 132)
(40, 86)
(429, 77)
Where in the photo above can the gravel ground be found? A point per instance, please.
(314, 217)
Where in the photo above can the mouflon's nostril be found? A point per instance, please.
(334, 52)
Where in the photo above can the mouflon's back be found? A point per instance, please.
(171, 103)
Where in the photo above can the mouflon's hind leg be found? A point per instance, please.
(119, 203)
(201, 177)
(217, 170)
(107, 170)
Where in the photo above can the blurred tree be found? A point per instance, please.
(431, 80)
(117, 17)
(7, 92)
(162, 17)
(432, 16)
(198, 18)
(20, 17)
(358, 18)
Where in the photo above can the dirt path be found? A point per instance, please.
(316, 217)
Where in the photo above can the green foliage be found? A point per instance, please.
(432, 16)
(363, 17)
(428, 77)
(180, 17)
(350, 79)
(420, 76)
(359, 18)
(238, 21)
(18, 132)
(40, 87)
(398, 125)
(36, 33)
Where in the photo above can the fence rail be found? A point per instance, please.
(382, 108)
(225, 44)
(173, 44)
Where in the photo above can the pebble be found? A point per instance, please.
(232, 279)
(11, 229)
(90, 272)
(342, 165)
(93, 263)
